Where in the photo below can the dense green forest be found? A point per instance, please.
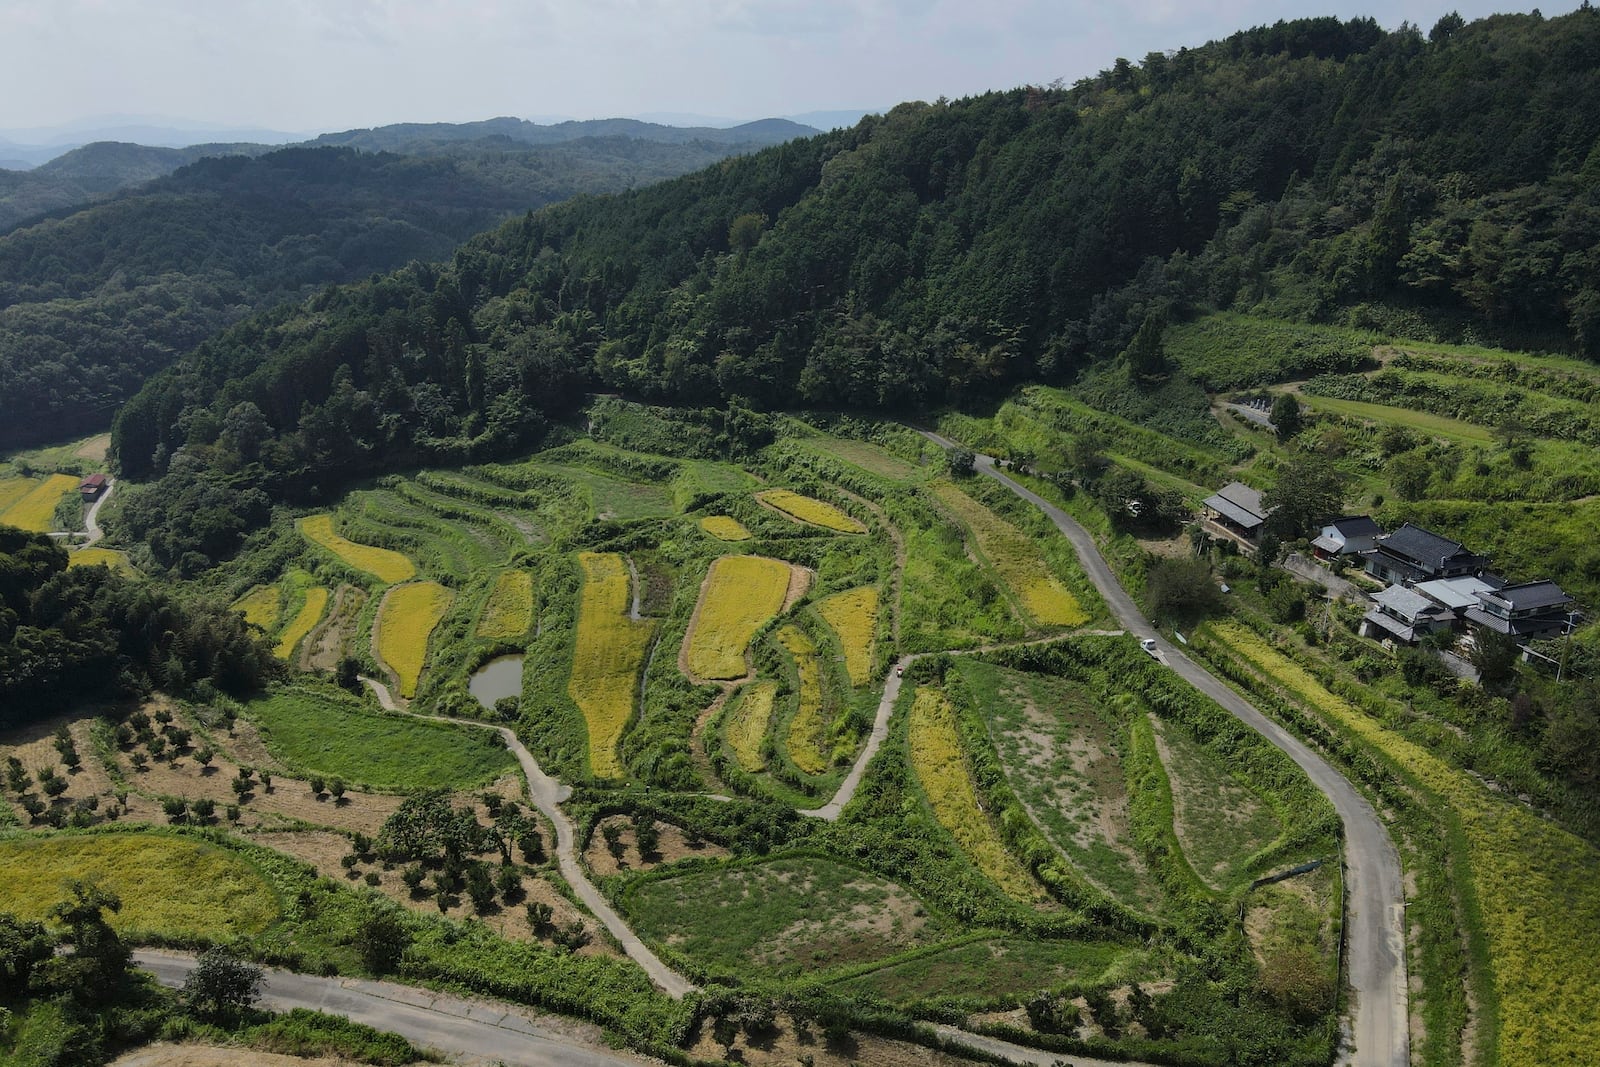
(93, 302)
(1323, 170)
(88, 633)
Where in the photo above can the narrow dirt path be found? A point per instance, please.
(1374, 893)
(547, 795)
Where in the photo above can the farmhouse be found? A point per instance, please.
(1235, 511)
(1525, 611)
(1412, 554)
(1403, 614)
(91, 487)
(1346, 536)
(1460, 593)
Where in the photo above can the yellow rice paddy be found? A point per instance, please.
(739, 595)
(808, 510)
(259, 607)
(724, 528)
(1017, 562)
(748, 722)
(381, 563)
(853, 617)
(807, 740)
(607, 655)
(305, 619)
(405, 622)
(34, 509)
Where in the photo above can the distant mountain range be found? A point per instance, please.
(116, 258)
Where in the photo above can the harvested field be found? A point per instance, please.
(724, 528)
(316, 602)
(997, 967)
(810, 511)
(747, 724)
(740, 593)
(509, 611)
(807, 741)
(405, 621)
(607, 655)
(381, 563)
(853, 617)
(941, 768)
(35, 510)
(1017, 562)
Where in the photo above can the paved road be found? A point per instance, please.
(481, 1030)
(1377, 1027)
(91, 519)
(880, 732)
(547, 795)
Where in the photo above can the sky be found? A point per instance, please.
(306, 66)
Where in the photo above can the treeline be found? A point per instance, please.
(949, 251)
(87, 633)
(94, 301)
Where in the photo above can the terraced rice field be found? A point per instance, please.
(805, 509)
(304, 621)
(868, 457)
(405, 621)
(724, 528)
(608, 653)
(784, 917)
(93, 557)
(259, 607)
(739, 595)
(1534, 882)
(853, 617)
(1062, 761)
(169, 885)
(35, 509)
(13, 490)
(1219, 821)
(807, 741)
(747, 725)
(996, 966)
(381, 563)
(1017, 561)
(509, 612)
(941, 768)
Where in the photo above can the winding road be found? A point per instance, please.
(484, 1030)
(1377, 1028)
(547, 795)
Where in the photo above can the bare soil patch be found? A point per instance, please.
(673, 846)
(165, 1055)
(94, 448)
(326, 850)
(330, 640)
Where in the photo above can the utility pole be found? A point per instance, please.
(1566, 642)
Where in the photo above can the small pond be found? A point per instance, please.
(501, 677)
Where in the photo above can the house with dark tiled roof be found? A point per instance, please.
(1236, 511)
(1346, 536)
(1526, 611)
(1401, 614)
(1412, 554)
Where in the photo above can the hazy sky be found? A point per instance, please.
(308, 65)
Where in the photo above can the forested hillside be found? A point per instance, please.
(1323, 170)
(93, 301)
